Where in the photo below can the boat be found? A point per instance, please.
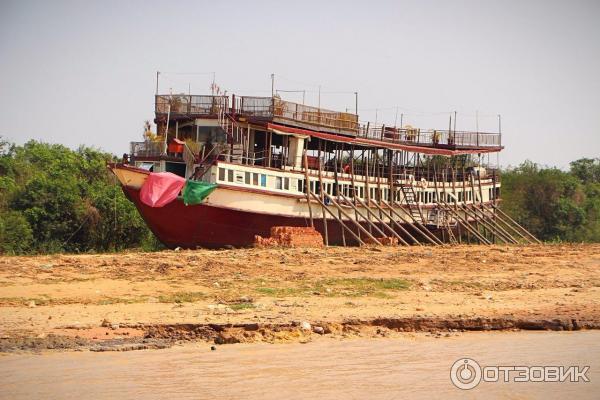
(273, 162)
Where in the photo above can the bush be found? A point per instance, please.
(16, 236)
(71, 199)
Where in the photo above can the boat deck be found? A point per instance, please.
(272, 110)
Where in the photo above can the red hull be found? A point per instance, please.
(178, 225)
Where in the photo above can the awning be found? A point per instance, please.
(379, 143)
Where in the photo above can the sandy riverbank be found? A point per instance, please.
(146, 300)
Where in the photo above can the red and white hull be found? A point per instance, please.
(233, 215)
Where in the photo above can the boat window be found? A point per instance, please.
(301, 185)
(255, 179)
(221, 174)
(278, 182)
(247, 178)
(361, 192)
(230, 175)
(286, 183)
(263, 180)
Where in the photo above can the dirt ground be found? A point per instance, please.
(144, 300)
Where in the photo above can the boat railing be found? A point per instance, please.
(147, 148)
(415, 136)
(359, 169)
(274, 107)
(182, 104)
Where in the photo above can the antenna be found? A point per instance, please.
(157, 75)
(272, 85)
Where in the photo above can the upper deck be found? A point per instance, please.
(265, 110)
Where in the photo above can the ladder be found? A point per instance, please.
(446, 224)
(409, 195)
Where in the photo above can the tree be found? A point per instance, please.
(586, 169)
(67, 200)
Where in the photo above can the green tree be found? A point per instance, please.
(68, 199)
(16, 236)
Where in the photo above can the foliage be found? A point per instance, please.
(53, 199)
(554, 204)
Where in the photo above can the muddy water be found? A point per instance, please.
(413, 367)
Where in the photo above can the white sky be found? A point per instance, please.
(80, 72)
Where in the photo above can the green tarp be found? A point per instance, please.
(195, 191)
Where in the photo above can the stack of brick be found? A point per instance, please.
(290, 236)
(386, 241)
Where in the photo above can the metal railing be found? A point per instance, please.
(178, 104)
(269, 107)
(434, 138)
(147, 149)
(347, 123)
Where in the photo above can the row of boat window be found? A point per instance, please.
(348, 190)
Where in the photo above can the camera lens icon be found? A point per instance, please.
(465, 373)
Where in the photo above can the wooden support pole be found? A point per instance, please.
(337, 186)
(384, 224)
(473, 212)
(465, 223)
(307, 186)
(391, 218)
(358, 225)
(323, 198)
(358, 213)
(352, 182)
(424, 232)
(367, 179)
(495, 229)
(339, 220)
(525, 231)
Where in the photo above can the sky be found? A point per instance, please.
(82, 72)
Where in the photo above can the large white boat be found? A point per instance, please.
(279, 163)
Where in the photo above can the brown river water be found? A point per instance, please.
(408, 367)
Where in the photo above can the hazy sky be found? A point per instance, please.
(80, 72)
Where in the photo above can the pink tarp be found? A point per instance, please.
(161, 188)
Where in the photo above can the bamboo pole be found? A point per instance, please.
(359, 226)
(492, 225)
(307, 186)
(465, 223)
(385, 225)
(391, 218)
(504, 215)
(343, 225)
(322, 198)
(416, 225)
(337, 188)
(473, 212)
(380, 231)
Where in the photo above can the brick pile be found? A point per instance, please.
(386, 241)
(290, 236)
